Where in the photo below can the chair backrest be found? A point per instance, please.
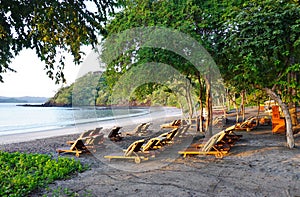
(164, 134)
(114, 132)
(145, 126)
(172, 123)
(172, 133)
(85, 133)
(182, 130)
(78, 145)
(230, 129)
(249, 122)
(96, 140)
(150, 144)
(213, 140)
(177, 122)
(138, 129)
(134, 147)
(96, 131)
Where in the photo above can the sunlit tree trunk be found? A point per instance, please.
(201, 88)
(236, 108)
(243, 105)
(189, 101)
(208, 102)
(289, 131)
(292, 78)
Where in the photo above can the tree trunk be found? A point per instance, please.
(189, 101)
(243, 105)
(228, 99)
(208, 107)
(289, 131)
(200, 118)
(236, 109)
(200, 124)
(293, 94)
(258, 108)
(224, 107)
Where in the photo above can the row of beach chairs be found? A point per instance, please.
(143, 149)
(218, 145)
(247, 125)
(92, 139)
(87, 141)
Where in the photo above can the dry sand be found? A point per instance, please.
(259, 164)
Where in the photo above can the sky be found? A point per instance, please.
(31, 78)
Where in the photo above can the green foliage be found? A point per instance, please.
(62, 98)
(51, 27)
(261, 48)
(255, 44)
(22, 173)
(84, 92)
(85, 89)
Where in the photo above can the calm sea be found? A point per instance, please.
(18, 119)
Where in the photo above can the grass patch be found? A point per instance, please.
(22, 173)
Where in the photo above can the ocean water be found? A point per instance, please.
(18, 119)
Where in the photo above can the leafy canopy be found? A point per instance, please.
(50, 27)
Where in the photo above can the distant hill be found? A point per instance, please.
(24, 99)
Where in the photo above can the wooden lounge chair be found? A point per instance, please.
(173, 124)
(168, 136)
(183, 129)
(211, 147)
(231, 137)
(145, 127)
(77, 147)
(96, 131)
(86, 135)
(94, 142)
(152, 144)
(248, 124)
(131, 152)
(140, 129)
(134, 131)
(115, 135)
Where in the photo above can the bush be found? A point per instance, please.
(22, 173)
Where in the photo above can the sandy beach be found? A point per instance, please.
(259, 164)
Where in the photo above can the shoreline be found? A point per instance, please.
(156, 113)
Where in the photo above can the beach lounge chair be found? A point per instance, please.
(85, 136)
(77, 147)
(135, 131)
(214, 146)
(183, 130)
(115, 135)
(230, 136)
(131, 152)
(248, 124)
(173, 124)
(168, 136)
(152, 144)
(94, 142)
(96, 131)
(145, 127)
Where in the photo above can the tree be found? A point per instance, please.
(184, 16)
(264, 37)
(51, 27)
